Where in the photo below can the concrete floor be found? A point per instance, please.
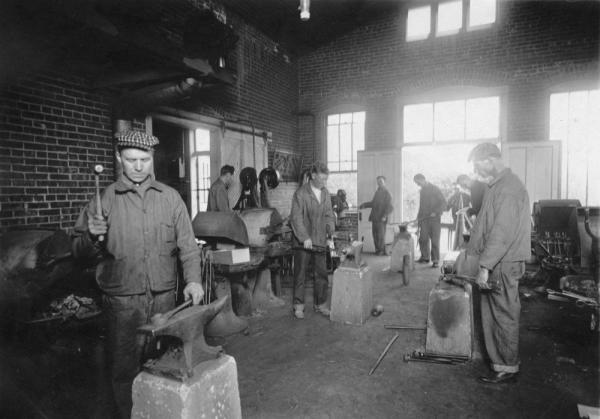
(314, 368)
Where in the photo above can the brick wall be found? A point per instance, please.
(532, 47)
(54, 128)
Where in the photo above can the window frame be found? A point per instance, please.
(450, 94)
(586, 83)
(339, 111)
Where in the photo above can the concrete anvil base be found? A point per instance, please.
(212, 392)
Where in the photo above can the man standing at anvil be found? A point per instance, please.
(501, 237)
(142, 230)
(312, 220)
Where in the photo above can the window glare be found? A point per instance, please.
(449, 18)
(449, 120)
(418, 23)
(483, 118)
(559, 110)
(418, 123)
(202, 140)
(333, 119)
(482, 12)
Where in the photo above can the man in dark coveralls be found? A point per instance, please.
(431, 206)
(218, 198)
(312, 221)
(142, 230)
(501, 237)
(381, 207)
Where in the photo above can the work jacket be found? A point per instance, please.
(148, 228)
(309, 218)
(381, 205)
(502, 230)
(218, 199)
(431, 201)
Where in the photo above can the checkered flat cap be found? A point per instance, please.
(136, 139)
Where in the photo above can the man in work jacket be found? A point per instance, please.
(431, 206)
(143, 228)
(381, 207)
(312, 220)
(501, 237)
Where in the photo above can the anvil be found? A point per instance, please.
(187, 326)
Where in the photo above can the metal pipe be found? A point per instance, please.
(387, 348)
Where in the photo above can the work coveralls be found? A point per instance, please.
(218, 199)
(501, 237)
(311, 219)
(148, 228)
(381, 207)
(431, 201)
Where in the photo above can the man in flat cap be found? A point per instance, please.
(501, 238)
(143, 228)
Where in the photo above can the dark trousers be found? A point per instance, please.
(125, 347)
(430, 229)
(321, 285)
(500, 313)
(378, 228)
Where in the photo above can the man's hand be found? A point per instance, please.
(383, 219)
(308, 244)
(433, 215)
(483, 279)
(194, 291)
(97, 226)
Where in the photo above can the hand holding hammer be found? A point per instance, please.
(97, 225)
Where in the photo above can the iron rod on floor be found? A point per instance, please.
(387, 348)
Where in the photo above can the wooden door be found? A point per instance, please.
(537, 164)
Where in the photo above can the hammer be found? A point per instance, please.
(97, 170)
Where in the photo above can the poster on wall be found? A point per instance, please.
(287, 164)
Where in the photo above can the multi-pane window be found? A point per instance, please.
(345, 138)
(199, 169)
(447, 16)
(575, 121)
(453, 120)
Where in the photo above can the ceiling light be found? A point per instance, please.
(304, 9)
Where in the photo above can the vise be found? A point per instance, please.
(188, 327)
(351, 255)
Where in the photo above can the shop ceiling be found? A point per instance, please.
(159, 50)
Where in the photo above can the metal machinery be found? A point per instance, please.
(565, 242)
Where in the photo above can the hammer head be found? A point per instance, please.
(98, 169)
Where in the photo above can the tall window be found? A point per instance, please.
(199, 169)
(345, 138)
(575, 121)
(447, 16)
(481, 12)
(418, 24)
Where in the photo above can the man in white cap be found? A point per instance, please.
(142, 230)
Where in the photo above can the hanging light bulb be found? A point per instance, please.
(304, 9)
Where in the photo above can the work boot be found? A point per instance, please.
(322, 308)
(299, 311)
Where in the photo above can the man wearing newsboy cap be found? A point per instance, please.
(142, 230)
(501, 238)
